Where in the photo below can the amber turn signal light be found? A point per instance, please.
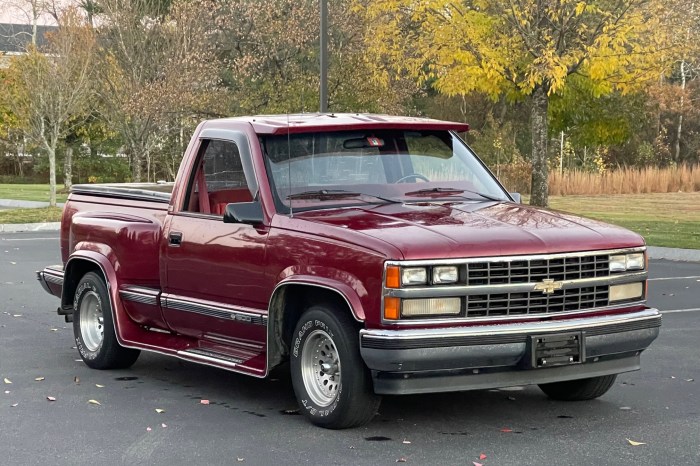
(393, 277)
(392, 307)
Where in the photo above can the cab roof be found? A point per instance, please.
(315, 122)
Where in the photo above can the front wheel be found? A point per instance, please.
(331, 383)
(93, 327)
(579, 390)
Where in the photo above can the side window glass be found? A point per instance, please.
(218, 180)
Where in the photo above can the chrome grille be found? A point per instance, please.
(535, 270)
(535, 302)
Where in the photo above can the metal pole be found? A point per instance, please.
(324, 56)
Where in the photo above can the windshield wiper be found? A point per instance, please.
(449, 191)
(327, 194)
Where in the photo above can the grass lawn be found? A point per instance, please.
(46, 214)
(670, 219)
(30, 192)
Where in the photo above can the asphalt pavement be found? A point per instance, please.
(252, 421)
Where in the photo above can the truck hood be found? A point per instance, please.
(431, 230)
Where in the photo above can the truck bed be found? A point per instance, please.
(153, 192)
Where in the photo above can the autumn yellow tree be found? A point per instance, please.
(517, 49)
(52, 87)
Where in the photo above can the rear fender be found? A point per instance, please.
(83, 261)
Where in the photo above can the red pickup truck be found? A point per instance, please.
(376, 254)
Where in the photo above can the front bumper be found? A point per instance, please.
(489, 356)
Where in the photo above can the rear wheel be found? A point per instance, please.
(93, 327)
(332, 384)
(579, 390)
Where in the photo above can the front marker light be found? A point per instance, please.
(431, 307)
(625, 292)
(414, 276)
(443, 275)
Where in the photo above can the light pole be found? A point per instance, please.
(324, 56)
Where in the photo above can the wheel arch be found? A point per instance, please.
(289, 301)
(82, 262)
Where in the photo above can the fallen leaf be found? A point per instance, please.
(506, 429)
(148, 429)
(13, 263)
(51, 398)
(94, 402)
(158, 410)
(99, 386)
(7, 392)
(39, 379)
(76, 379)
(406, 442)
(204, 402)
(477, 464)
(511, 398)
(625, 408)
(6, 380)
(163, 425)
(635, 444)
(482, 456)
(16, 315)
(401, 460)
(689, 380)
(15, 405)
(240, 460)
(53, 329)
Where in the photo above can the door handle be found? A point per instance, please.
(175, 238)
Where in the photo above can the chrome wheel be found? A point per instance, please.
(91, 321)
(320, 368)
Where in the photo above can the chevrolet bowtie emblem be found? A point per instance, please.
(548, 286)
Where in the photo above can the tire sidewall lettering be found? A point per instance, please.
(313, 409)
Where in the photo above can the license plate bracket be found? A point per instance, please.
(558, 349)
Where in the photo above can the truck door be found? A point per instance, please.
(214, 271)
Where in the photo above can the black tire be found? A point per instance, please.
(96, 339)
(340, 394)
(579, 390)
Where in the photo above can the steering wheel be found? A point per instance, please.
(410, 176)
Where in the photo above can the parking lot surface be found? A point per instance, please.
(110, 417)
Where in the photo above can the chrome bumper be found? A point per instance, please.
(489, 356)
(51, 279)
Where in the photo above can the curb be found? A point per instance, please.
(22, 227)
(674, 254)
(26, 204)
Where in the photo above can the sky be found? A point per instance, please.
(19, 11)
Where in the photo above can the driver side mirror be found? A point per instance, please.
(516, 197)
(244, 212)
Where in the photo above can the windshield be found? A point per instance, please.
(322, 170)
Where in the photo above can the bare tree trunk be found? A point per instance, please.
(68, 168)
(539, 188)
(679, 129)
(52, 175)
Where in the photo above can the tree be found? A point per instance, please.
(519, 48)
(52, 88)
(157, 66)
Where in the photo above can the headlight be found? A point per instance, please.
(446, 274)
(431, 306)
(624, 262)
(626, 292)
(414, 276)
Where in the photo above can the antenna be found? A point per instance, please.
(289, 169)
